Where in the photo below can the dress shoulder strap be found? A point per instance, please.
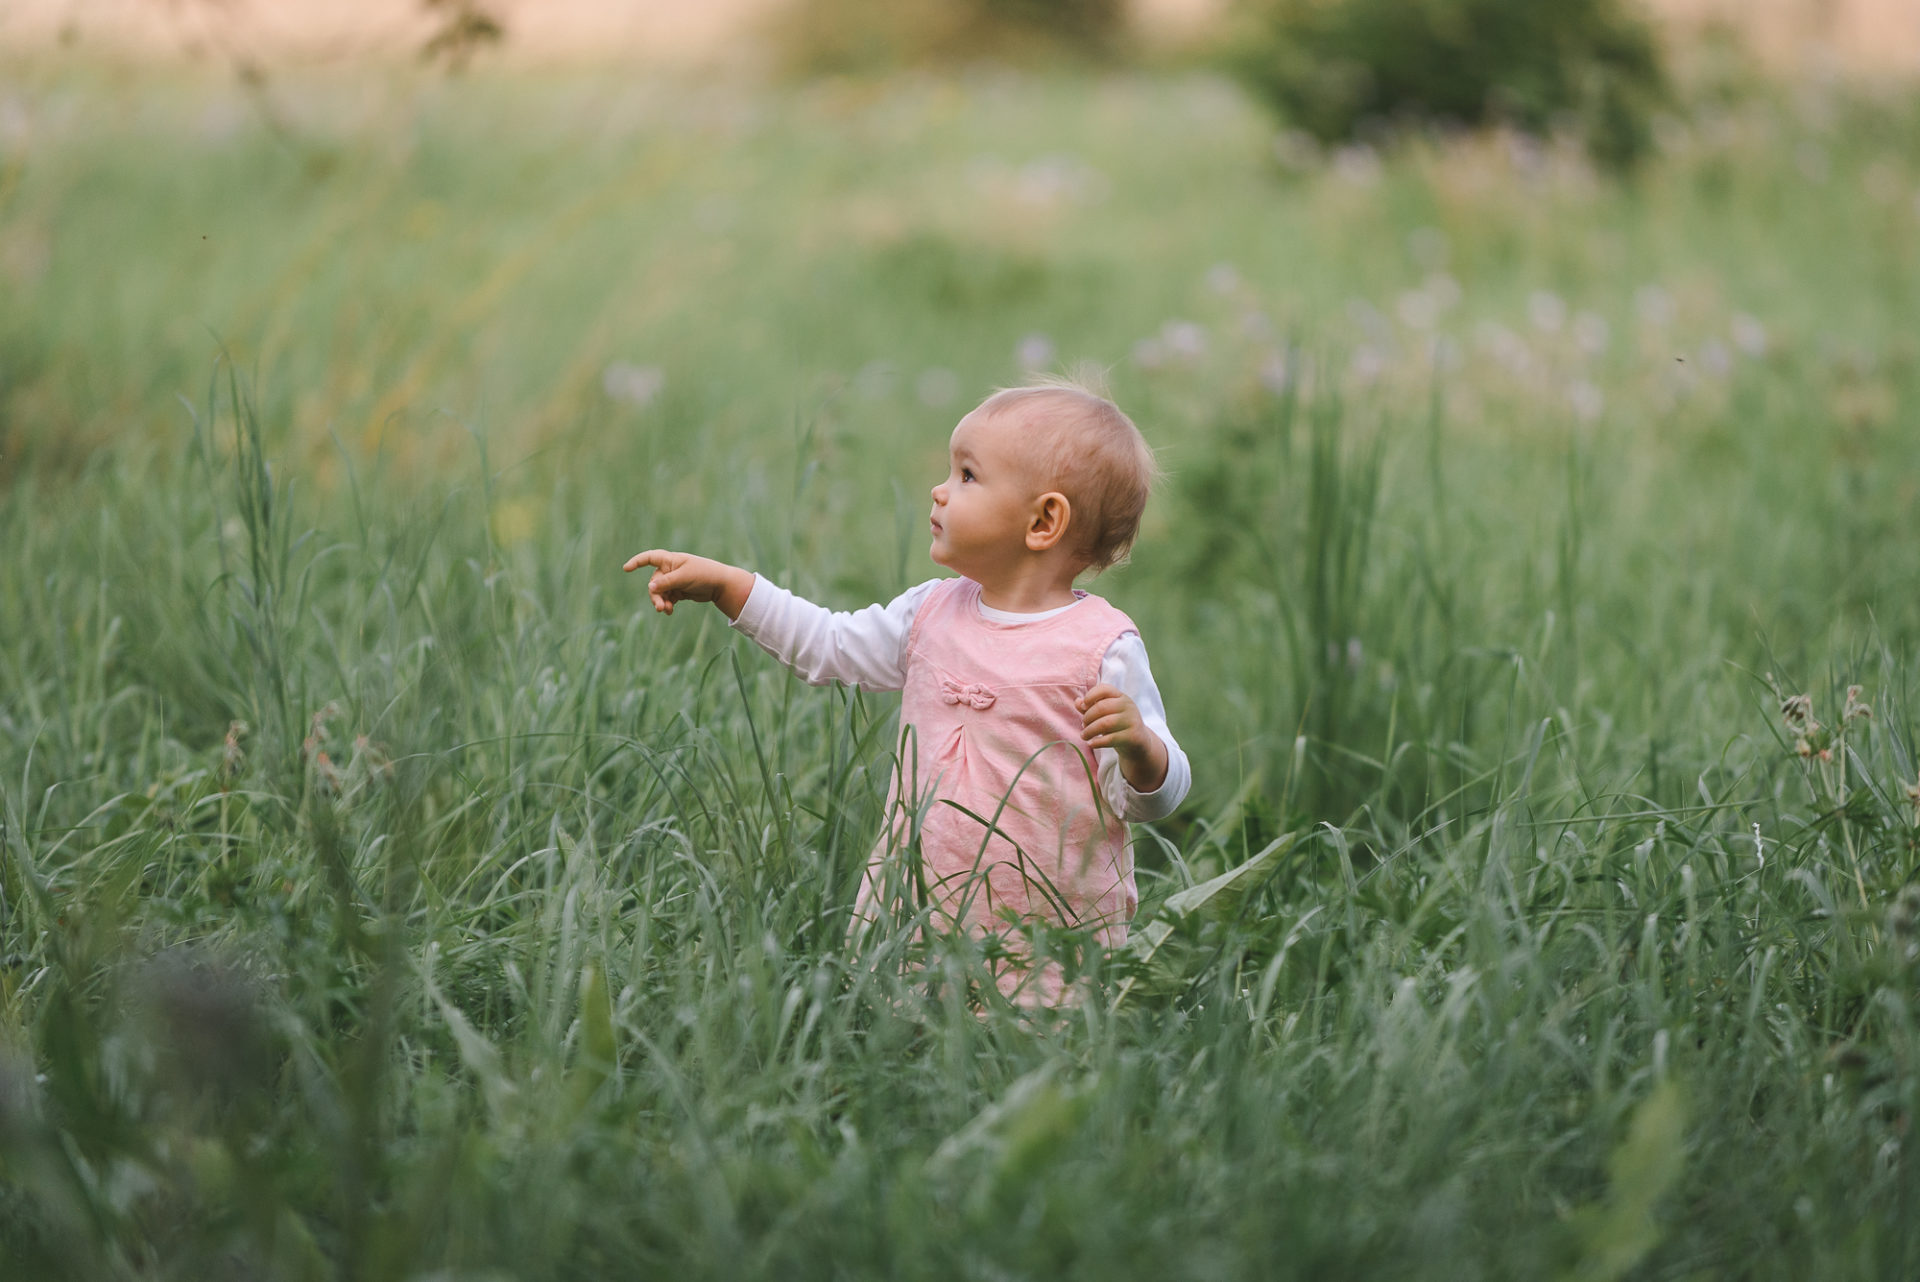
(940, 600)
(1098, 625)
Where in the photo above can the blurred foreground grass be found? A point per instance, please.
(507, 933)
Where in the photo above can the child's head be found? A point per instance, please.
(1080, 443)
(1052, 437)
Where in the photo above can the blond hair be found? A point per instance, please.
(1089, 450)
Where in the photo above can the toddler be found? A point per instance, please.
(1032, 731)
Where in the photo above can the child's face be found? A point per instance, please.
(982, 511)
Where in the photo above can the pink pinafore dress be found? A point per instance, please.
(997, 781)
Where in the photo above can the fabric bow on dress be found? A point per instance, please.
(973, 694)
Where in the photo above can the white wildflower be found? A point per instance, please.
(1444, 290)
(16, 123)
(1033, 352)
(1655, 306)
(1367, 318)
(1715, 358)
(1506, 347)
(1591, 333)
(1525, 154)
(1586, 399)
(1059, 180)
(1357, 163)
(1184, 340)
(1149, 353)
(1547, 311)
(635, 385)
(1417, 309)
(1368, 363)
(1276, 372)
(1223, 279)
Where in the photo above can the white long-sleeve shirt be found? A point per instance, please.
(867, 649)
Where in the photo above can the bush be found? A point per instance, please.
(1332, 66)
(867, 35)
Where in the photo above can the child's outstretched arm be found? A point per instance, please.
(862, 649)
(681, 576)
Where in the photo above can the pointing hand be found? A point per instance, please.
(681, 576)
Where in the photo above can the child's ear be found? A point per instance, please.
(1052, 514)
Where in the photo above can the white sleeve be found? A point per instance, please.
(863, 648)
(1125, 666)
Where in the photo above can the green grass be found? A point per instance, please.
(508, 937)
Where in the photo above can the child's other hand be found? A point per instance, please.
(1109, 719)
(681, 576)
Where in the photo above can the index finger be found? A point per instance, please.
(1100, 691)
(656, 557)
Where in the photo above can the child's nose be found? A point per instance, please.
(940, 493)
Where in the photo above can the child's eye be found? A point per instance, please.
(966, 474)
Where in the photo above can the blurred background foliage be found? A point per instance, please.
(816, 36)
(1336, 67)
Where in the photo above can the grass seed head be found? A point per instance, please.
(317, 736)
(1856, 707)
(232, 760)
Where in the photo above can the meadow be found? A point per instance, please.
(386, 893)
